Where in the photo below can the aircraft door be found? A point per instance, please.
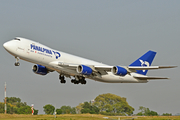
(27, 50)
(20, 50)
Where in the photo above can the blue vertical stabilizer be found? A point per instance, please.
(144, 60)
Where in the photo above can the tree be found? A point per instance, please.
(88, 108)
(58, 111)
(110, 103)
(24, 110)
(13, 100)
(14, 105)
(49, 109)
(146, 112)
(21, 104)
(79, 108)
(35, 112)
(73, 110)
(1, 107)
(167, 114)
(153, 113)
(68, 110)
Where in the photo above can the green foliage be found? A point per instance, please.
(15, 106)
(79, 108)
(166, 114)
(146, 112)
(110, 103)
(13, 100)
(88, 108)
(152, 113)
(49, 109)
(58, 111)
(11, 109)
(21, 104)
(24, 110)
(73, 110)
(35, 112)
(139, 114)
(1, 107)
(68, 110)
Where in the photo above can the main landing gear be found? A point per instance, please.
(82, 81)
(77, 80)
(17, 61)
(62, 79)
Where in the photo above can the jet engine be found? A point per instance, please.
(116, 70)
(39, 69)
(85, 70)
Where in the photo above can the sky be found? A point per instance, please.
(112, 32)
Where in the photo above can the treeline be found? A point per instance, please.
(147, 112)
(106, 104)
(50, 109)
(15, 106)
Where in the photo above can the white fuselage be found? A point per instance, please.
(43, 55)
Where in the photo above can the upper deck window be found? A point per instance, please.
(16, 39)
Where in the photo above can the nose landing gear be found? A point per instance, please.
(17, 61)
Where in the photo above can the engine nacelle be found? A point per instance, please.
(39, 69)
(116, 70)
(85, 70)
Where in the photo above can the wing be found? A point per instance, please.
(103, 70)
(71, 68)
(63, 68)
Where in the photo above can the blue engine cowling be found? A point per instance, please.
(85, 70)
(39, 69)
(116, 70)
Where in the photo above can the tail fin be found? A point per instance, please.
(144, 60)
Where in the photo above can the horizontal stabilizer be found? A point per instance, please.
(149, 67)
(149, 77)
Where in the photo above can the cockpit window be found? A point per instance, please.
(16, 39)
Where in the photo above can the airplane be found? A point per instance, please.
(47, 60)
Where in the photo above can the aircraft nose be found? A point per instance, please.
(7, 45)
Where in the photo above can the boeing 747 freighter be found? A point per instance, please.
(47, 60)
